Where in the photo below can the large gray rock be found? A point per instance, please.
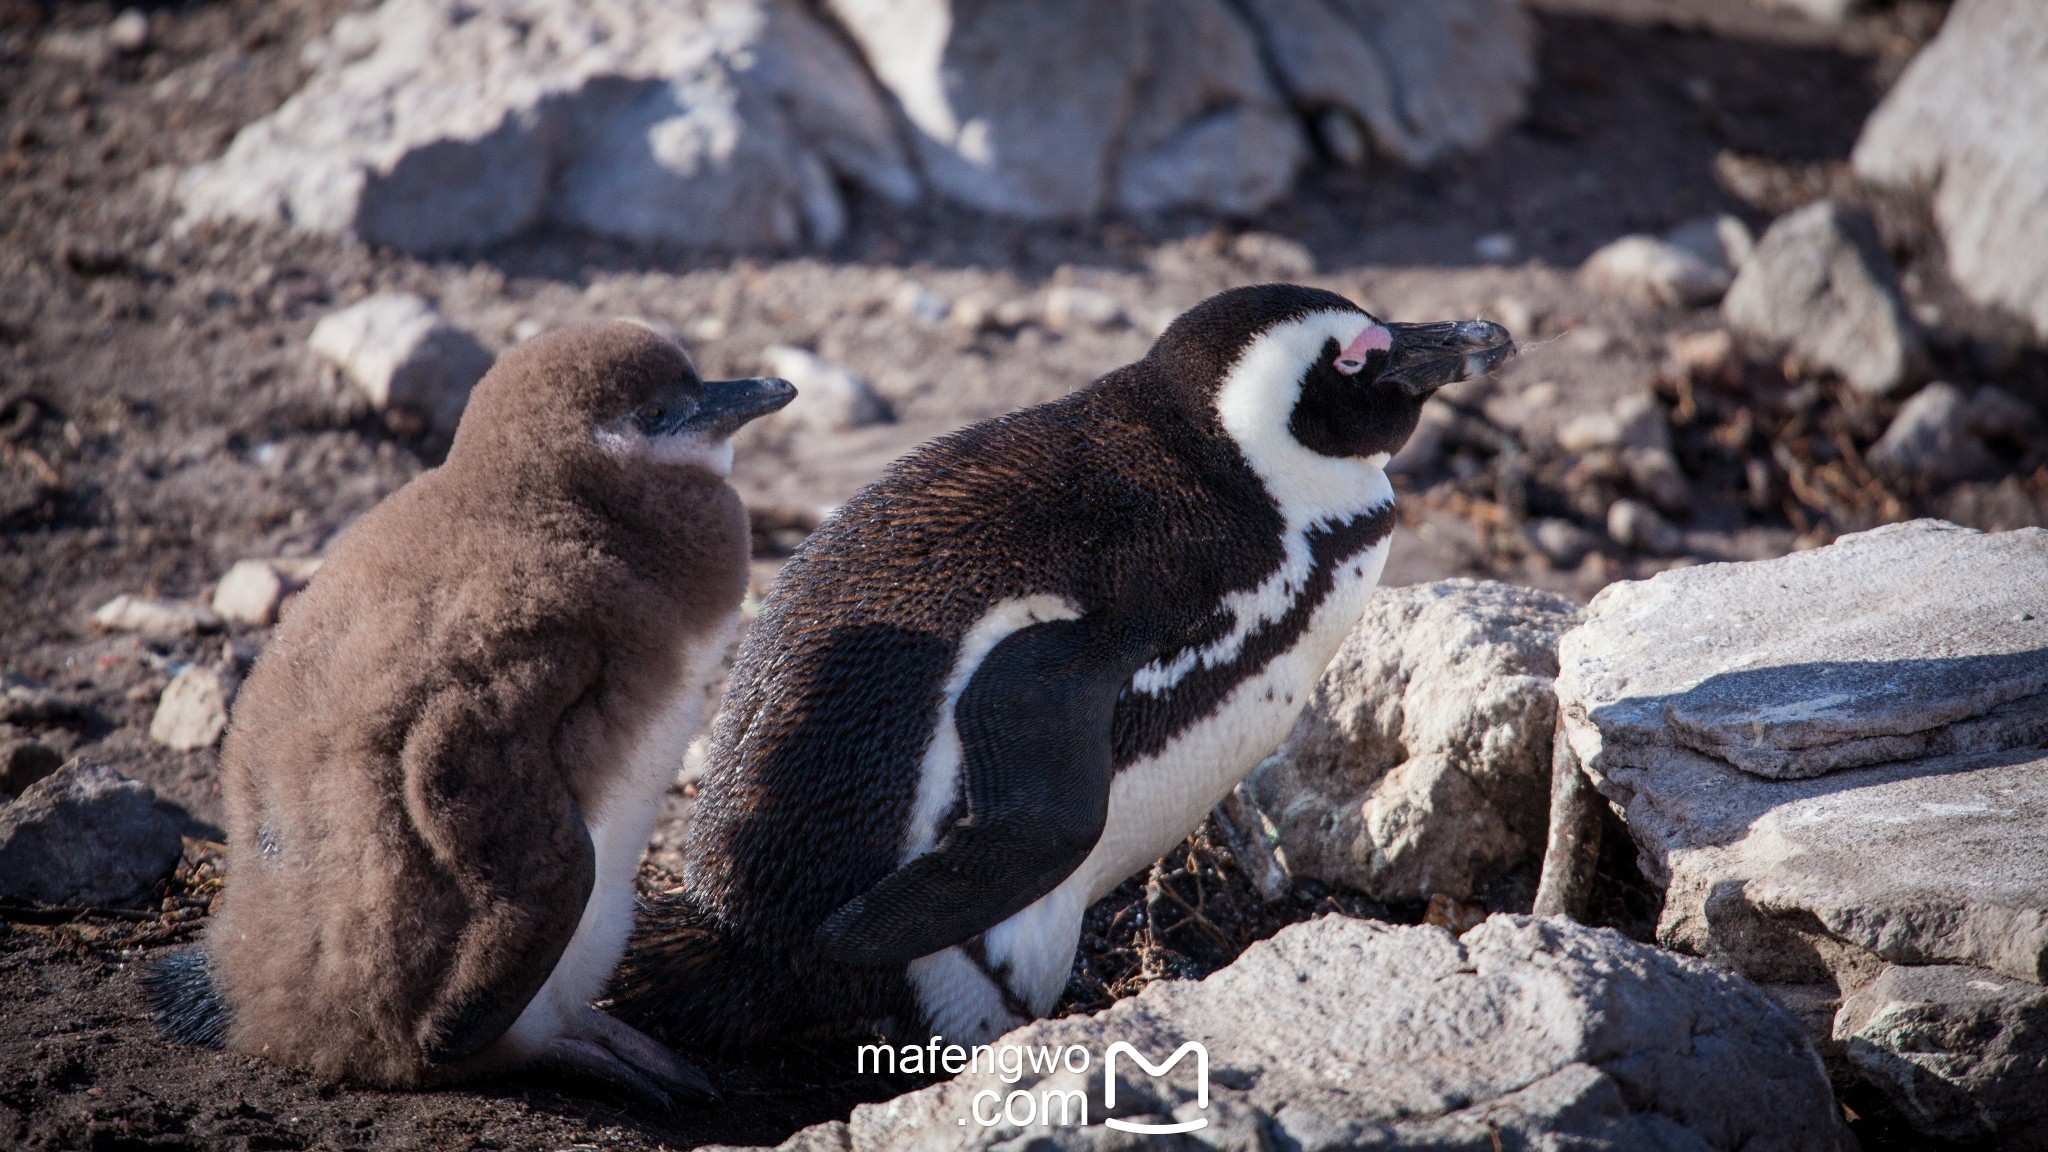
(1833, 762)
(85, 835)
(430, 125)
(1968, 123)
(1964, 1052)
(1421, 764)
(1426, 80)
(1346, 1033)
(1910, 640)
(1820, 287)
(1066, 108)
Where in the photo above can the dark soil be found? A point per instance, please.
(160, 419)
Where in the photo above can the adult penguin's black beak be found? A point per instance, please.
(1425, 357)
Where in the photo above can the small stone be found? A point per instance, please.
(152, 616)
(85, 835)
(1496, 247)
(1275, 255)
(526, 329)
(1562, 542)
(705, 328)
(828, 398)
(971, 313)
(193, 711)
(407, 360)
(1655, 272)
(1015, 313)
(1071, 306)
(253, 591)
(1633, 524)
(1712, 357)
(23, 762)
(914, 301)
(1643, 422)
(130, 31)
(1931, 441)
(1589, 431)
(1656, 474)
(1820, 289)
(1591, 340)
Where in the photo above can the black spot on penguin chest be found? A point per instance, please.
(1146, 722)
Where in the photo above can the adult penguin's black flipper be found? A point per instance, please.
(1034, 723)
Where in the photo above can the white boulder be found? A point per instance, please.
(432, 125)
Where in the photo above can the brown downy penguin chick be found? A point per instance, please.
(445, 766)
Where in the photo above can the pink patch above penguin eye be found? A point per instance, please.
(1374, 338)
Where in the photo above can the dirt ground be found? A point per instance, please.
(160, 418)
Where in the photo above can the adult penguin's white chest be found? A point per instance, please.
(1018, 969)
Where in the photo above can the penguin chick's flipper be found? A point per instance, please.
(1034, 723)
(491, 806)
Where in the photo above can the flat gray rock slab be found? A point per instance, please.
(1421, 764)
(1941, 861)
(1910, 640)
(1344, 1033)
(85, 835)
(1968, 122)
(1964, 1052)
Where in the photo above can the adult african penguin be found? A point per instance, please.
(1027, 662)
(445, 765)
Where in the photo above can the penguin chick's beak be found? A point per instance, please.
(726, 404)
(1425, 357)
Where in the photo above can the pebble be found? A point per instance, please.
(914, 301)
(1634, 524)
(193, 711)
(828, 397)
(1561, 542)
(152, 616)
(254, 591)
(1071, 306)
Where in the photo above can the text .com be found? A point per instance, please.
(1054, 1107)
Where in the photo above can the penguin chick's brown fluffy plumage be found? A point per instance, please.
(442, 772)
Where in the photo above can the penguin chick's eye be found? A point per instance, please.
(649, 415)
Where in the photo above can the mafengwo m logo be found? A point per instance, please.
(1057, 1107)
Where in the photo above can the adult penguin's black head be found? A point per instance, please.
(1300, 376)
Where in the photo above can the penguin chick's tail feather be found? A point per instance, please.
(687, 979)
(181, 993)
